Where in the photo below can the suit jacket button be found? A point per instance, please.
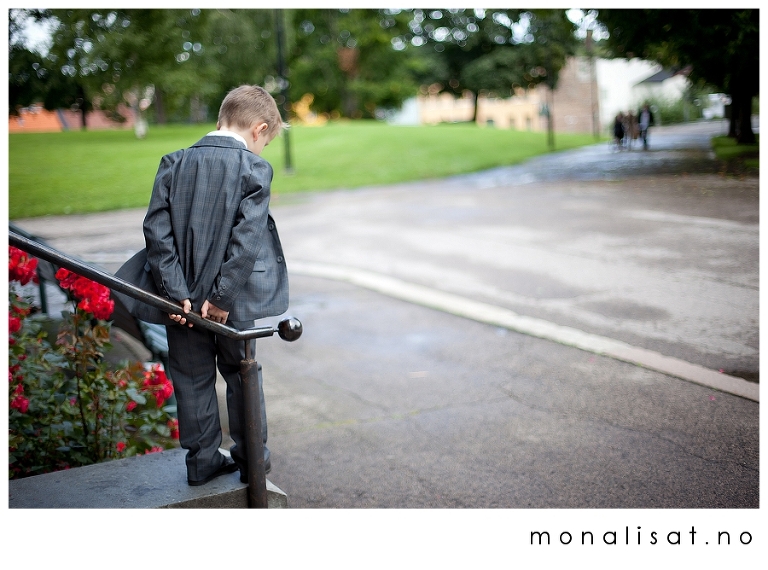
(279, 258)
(271, 226)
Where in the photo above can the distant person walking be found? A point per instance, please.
(618, 131)
(633, 130)
(645, 121)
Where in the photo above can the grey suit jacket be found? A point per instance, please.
(209, 233)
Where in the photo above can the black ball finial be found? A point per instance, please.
(290, 329)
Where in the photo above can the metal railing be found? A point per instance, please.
(288, 329)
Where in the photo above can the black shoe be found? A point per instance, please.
(244, 471)
(228, 466)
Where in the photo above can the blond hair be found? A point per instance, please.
(247, 105)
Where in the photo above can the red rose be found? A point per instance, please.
(130, 406)
(120, 446)
(14, 324)
(103, 309)
(174, 425)
(21, 267)
(94, 298)
(20, 403)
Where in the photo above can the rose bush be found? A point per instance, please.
(67, 406)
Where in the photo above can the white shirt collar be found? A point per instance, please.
(222, 133)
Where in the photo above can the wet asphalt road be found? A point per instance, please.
(666, 262)
(384, 403)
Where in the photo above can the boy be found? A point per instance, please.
(213, 247)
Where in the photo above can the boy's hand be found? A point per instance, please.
(186, 306)
(212, 312)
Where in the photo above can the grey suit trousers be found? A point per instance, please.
(194, 355)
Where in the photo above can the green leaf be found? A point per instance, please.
(136, 396)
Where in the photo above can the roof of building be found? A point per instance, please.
(664, 74)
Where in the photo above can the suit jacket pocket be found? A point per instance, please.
(259, 265)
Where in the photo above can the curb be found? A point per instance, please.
(499, 316)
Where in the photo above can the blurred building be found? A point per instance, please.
(36, 119)
(589, 94)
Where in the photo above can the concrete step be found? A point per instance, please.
(153, 481)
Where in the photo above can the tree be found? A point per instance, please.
(721, 46)
(181, 59)
(495, 51)
(553, 43)
(238, 47)
(33, 77)
(27, 73)
(26, 78)
(345, 59)
(131, 56)
(353, 62)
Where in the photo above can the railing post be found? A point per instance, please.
(257, 478)
(43, 295)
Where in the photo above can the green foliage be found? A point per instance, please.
(720, 44)
(24, 85)
(121, 56)
(68, 408)
(236, 47)
(353, 62)
(491, 50)
(110, 170)
(27, 77)
(687, 108)
(345, 60)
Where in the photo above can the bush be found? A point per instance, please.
(668, 112)
(68, 408)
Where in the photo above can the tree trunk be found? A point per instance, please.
(83, 102)
(474, 106)
(733, 120)
(744, 133)
(348, 65)
(550, 119)
(348, 103)
(740, 127)
(160, 107)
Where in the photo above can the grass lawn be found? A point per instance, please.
(92, 171)
(728, 149)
